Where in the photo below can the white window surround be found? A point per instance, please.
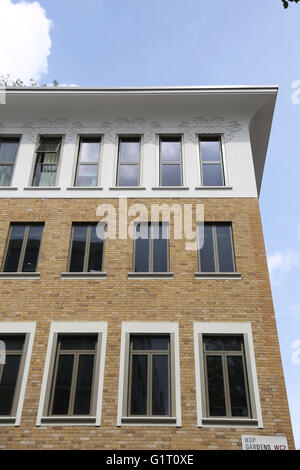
(228, 328)
(149, 328)
(76, 161)
(158, 162)
(27, 328)
(73, 327)
(114, 185)
(224, 162)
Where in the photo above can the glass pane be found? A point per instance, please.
(49, 144)
(78, 248)
(139, 374)
(212, 175)
(45, 175)
(223, 343)
(13, 343)
(142, 248)
(128, 175)
(160, 385)
(148, 342)
(237, 386)
(96, 252)
(5, 174)
(32, 248)
(130, 150)
(8, 383)
(87, 175)
(225, 254)
(160, 249)
(89, 151)
(216, 393)
(170, 149)
(14, 248)
(84, 385)
(171, 175)
(78, 342)
(207, 258)
(8, 150)
(63, 385)
(210, 150)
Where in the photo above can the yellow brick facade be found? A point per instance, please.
(115, 299)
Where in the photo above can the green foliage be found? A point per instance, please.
(7, 82)
(286, 2)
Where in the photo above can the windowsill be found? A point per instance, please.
(44, 188)
(233, 275)
(83, 275)
(68, 420)
(8, 188)
(145, 420)
(213, 187)
(124, 188)
(4, 275)
(149, 275)
(181, 188)
(228, 422)
(84, 188)
(8, 421)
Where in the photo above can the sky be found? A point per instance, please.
(186, 42)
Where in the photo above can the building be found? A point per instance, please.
(148, 343)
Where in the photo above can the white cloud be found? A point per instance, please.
(283, 262)
(25, 42)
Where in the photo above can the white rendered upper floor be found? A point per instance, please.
(136, 142)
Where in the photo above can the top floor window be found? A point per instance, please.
(88, 161)
(211, 159)
(8, 152)
(46, 164)
(129, 161)
(170, 161)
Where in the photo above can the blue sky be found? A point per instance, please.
(194, 42)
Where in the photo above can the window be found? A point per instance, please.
(216, 254)
(16, 340)
(151, 252)
(211, 161)
(129, 161)
(87, 248)
(23, 248)
(46, 164)
(149, 372)
(73, 377)
(71, 392)
(149, 387)
(170, 161)
(226, 379)
(88, 161)
(8, 152)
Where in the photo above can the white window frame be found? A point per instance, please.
(129, 328)
(77, 328)
(226, 328)
(27, 328)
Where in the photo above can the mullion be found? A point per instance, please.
(73, 384)
(226, 384)
(87, 249)
(215, 248)
(23, 249)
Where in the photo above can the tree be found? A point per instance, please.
(286, 2)
(6, 81)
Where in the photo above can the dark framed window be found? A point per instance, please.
(88, 161)
(129, 157)
(211, 159)
(151, 248)
(46, 163)
(227, 393)
(23, 247)
(217, 252)
(170, 156)
(11, 372)
(149, 392)
(8, 152)
(72, 390)
(87, 249)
